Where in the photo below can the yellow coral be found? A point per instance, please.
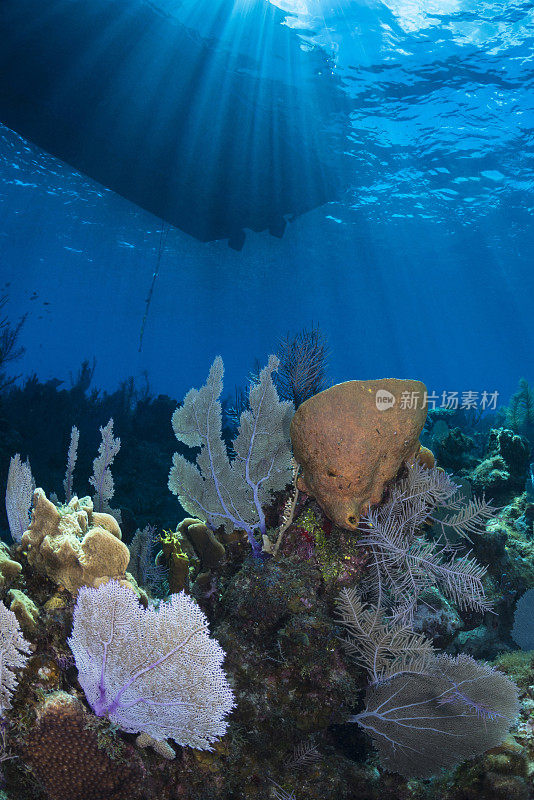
(9, 569)
(72, 545)
(24, 609)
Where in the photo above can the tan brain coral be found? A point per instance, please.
(74, 546)
(353, 438)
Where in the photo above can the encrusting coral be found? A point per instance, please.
(9, 569)
(24, 609)
(73, 545)
(71, 760)
(504, 468)
(352, 439)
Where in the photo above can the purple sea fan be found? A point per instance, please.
(151, 670)
(453, 710)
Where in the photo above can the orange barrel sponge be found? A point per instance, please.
(352, 439)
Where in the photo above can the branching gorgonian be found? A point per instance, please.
(382, 647)
(404, 564)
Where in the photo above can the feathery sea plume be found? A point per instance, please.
(403, 564)
(304, 755)
(102, 479)
(520, 412)
(142, 566)
(384, 648)
(303, 363)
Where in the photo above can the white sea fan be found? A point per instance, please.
(233, 493)
(19, 493)
(151, 670)
(71, 462)
(102, 479)
(14, 651)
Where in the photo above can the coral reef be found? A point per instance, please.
(91, 721)
(454, 451)
(507, 546)
(350, 446)
(504, 468)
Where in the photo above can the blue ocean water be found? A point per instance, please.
(417, 265)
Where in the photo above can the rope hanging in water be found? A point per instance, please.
(162, 242)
